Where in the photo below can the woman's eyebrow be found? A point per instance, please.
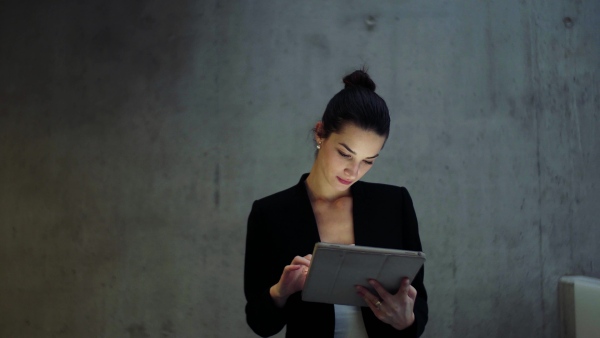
(352, 151)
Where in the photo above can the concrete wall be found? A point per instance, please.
(134, 137)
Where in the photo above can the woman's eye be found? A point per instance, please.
(344, 155)
(369, 162)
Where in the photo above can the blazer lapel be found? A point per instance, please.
(360, 214)
(306, 216)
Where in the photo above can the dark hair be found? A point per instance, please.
(357, 103)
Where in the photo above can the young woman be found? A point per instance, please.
(331, 204)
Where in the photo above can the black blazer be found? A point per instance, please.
(283, 225)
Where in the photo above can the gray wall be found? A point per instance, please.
(134, 137)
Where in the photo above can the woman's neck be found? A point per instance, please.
(319, 190)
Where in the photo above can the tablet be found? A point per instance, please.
(335, 269)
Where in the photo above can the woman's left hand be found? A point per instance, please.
(396, 310)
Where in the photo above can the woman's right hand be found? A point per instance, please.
(291, 281)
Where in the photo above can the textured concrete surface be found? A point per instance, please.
(134, 137)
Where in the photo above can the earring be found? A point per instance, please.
(319, 145)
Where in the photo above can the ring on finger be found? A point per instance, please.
(378, 305)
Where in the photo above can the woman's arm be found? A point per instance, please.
(405, 311)
(412, 241)
(263, 316)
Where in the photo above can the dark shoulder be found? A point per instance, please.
(380, 190)
(291, 195)
(379, 196)
(279, 199)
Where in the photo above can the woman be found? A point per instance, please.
(330, 204)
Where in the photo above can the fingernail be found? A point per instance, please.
(372, 282)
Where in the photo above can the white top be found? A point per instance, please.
(349, 322)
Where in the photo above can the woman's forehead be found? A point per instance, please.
(359, 139)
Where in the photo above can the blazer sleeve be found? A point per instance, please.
(262, 315)
(396, 211)
(412, 241)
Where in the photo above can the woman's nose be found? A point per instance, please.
(352, 170)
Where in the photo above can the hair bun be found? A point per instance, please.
(359, 78)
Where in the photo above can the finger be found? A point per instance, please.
(291, 280)
(308, 257)
(300, 261)
(291, 268)
(383, 294)
(404, 287)
(412, 293)
(371, 301)
(294, 273)
(376, 310)
(369, 298)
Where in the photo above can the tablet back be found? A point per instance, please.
(335, 270)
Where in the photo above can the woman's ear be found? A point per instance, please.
(319, 131)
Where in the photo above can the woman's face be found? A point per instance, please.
(346, 156)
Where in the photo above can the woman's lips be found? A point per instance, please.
(344, 181)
